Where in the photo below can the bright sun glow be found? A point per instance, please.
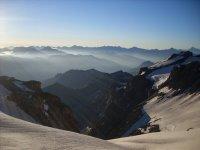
(6, 53)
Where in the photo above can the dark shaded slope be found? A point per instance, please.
(185, 77)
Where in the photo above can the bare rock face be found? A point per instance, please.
(185, 76)
(150, 128)
(33, 85)
(185, 54)
(44, 108)
(123, 108)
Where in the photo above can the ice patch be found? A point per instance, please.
(45, 109)
(164, 90)
(7, 53)
(159, 76)
(159, 79)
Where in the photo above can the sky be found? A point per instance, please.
(143, 23)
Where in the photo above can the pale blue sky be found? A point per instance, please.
(142, 23)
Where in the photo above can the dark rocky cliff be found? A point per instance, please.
(44, 108)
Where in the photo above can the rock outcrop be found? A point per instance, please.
(44, 108)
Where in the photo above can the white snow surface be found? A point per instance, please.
(180, 140)
(175, 113)
(17, 134)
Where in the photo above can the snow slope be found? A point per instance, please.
(179, 121)
(175, 113)
(161, 70)
(181, 140)
(18, 134)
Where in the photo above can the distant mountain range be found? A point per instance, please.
(108, 49)
(41, 63)
(132, 49)
(31, 50)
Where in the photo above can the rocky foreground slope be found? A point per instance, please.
(25, 100)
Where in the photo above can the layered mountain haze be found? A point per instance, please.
(23, 62)
(45, 62)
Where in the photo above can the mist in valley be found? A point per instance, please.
(42, 63)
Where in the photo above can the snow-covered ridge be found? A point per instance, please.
(175, 58)
(160, 71)
(175, 107)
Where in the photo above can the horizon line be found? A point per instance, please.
(68, 46)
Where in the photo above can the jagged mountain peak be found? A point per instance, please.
(160, 71)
